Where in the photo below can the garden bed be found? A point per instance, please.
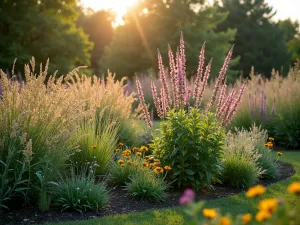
(120, 202)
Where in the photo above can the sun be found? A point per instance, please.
(120, 7)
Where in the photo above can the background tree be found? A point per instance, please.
(259, 41)
(153, 24)
(292, 37)
(43, 29)
(98, 26)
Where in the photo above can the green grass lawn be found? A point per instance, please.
(236, 204)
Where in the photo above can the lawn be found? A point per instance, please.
(236, 204)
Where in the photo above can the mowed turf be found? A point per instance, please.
(236, 204)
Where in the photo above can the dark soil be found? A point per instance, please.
(120, 202)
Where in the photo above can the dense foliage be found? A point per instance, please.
(192, 143)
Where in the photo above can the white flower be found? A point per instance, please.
(77, 188)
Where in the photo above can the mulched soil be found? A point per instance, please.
(120, 202)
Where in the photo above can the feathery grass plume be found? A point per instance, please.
(163, 79)
(220, 78)
(156, 99)
(142, 102)
(199, 72)
(274, 107)
(204, 83)
(173, 76)
(250, 103)
(226, 104)
(164, 107)
(235, 104)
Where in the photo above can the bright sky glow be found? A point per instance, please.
(285, 8)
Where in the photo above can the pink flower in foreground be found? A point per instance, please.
(187, 196)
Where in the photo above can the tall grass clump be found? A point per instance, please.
(246, 159)
(274, 104)
(37, 122)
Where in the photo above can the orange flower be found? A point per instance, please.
(156, 163)
(120, 161)
(122, 165)
(262, 216)
(168, 168)
(126, 152)
(121, 144)
(147, 157)
(144, 148)
(268, 204)
(271, 139)
(270, 144)
(135, 149)
(130, 162)
(145, 164)
(94, 147)
(118, 150)
(139, 153)
(127, 157)
(158, 170)
(255, 191)
(135, 164)
(152, 165)
(267, 145)
(294, 188)
(279, 153)
(209, 213)
(246, 218)
(225, 221)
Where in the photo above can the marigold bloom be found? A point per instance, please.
(263, 216)
(294, 188)
(279, 153)
(267, 145)
(135, 149)
(225, 221)
(126, 152)
(255, 191)
(270, 144)
(120, 161)
(158, 170)
(209, 213)
(122, 165)
(144, 148)
(268, 204)
(145, 164)
(118, 150)
(94, 147)
(147, 157)
(156, 163)
(152, 165)
(271, 139)
(168, 168)
(139, 153)
(246, 218)
(121, 144)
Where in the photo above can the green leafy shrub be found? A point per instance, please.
(147, 185)
(79, 192)
(191, 143)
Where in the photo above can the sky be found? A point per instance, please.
(285, 8)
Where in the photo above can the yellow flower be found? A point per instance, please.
(279, 153)
(168, 168)
(262, 216)
(130, 162)
(209, 213)
(118, 150)
(139, 153)
(135, 149)
(94, 147)
(120, 161)
(152, 165)
(294, 188)
(267, 145)
(121, 144)
(122, 165)
(145, 164)
(158, 170)
(225, 221)
(255, 191)
(147, 157)
(144, 148)
(270, 144)
(156, 163)
(127, 157)
(271, 139)
(126, 152)
(268, 204)
(246, 218)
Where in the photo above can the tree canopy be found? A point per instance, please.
(259, 41)
(153, 24)
(43, 29)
